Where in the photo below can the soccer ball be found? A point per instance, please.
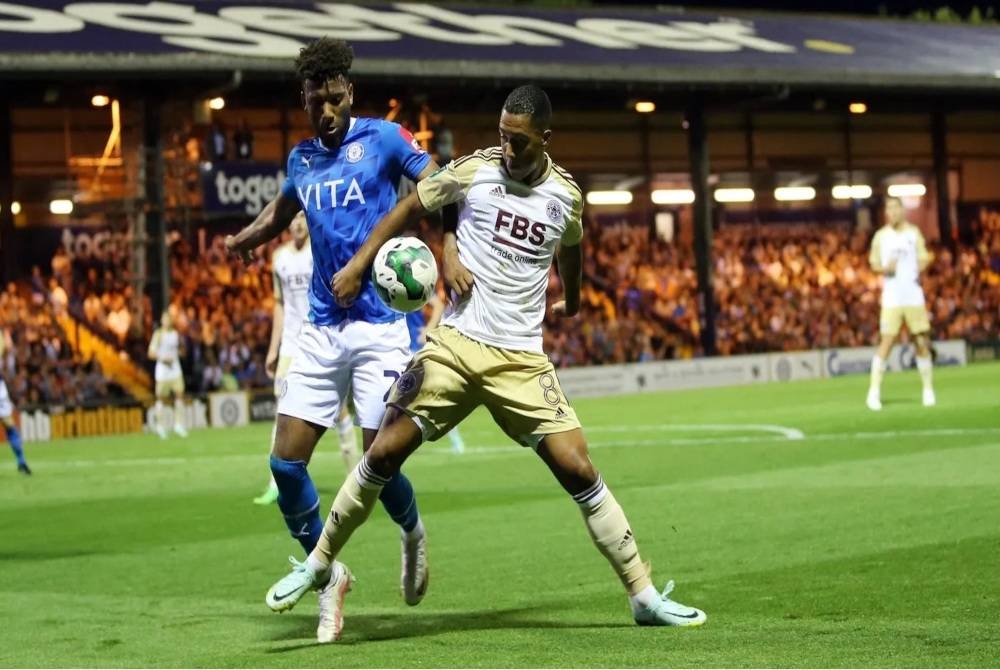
(404, 274)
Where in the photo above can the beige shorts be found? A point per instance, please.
(454, 374)
(170, 386)
(915, 316)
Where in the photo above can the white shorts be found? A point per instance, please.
(365, 358)
(6, 406)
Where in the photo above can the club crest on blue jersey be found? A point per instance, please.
(355, 152)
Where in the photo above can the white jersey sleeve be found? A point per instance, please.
(508, 233)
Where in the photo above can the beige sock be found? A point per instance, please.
(612, 535)
(354, 502)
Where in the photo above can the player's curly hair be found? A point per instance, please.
(530, 99)
(324, 59)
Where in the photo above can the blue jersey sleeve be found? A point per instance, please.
(288, 188)
(404, 150)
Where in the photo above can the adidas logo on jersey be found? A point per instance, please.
(560, 413)
(497, 192)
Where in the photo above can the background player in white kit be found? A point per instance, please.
(292, 268)
(166, 349)
(899, 254)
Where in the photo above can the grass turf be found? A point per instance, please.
(873, 541)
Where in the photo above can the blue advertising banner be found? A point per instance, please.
(432, 40)
(240, 188)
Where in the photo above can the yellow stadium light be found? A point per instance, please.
(15, 208)
(853, 192)
(609, 197)
(672, 196)
(794, 193)
(645, 106)
(217, 103)
(857, 108)
(734, 195)
(100, 101)
(907, 190)
(61, 206)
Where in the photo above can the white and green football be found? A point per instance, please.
(404, 274)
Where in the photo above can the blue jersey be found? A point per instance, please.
(344, 193)
(415, 322)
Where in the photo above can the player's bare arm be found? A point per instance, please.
(277, 324)
(154, 346)
(276, 216)
(347, 281)
(571, 274)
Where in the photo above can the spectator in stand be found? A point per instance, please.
(243, 141)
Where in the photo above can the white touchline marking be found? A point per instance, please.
(787, 432)
(446, 455)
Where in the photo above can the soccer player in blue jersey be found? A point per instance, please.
(7, 417)
(345, 180)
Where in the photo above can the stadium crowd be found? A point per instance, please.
(38, 363)
(780, 287)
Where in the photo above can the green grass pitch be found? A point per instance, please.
(872, 541)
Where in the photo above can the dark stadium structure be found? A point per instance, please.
(742, 100)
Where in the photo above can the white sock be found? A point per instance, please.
(926, 368)
(158, 414)
(317, 566)
(178, 413)
(643, 599)
(417, 532)
(878, 369)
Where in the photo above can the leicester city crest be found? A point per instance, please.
(554, 210)
(355, 152)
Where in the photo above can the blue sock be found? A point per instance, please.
(14, 437)
(398, 500)
(298, 501)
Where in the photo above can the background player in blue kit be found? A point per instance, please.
(345, 180)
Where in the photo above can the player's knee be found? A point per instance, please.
(383, 458)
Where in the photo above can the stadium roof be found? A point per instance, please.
(611, 45)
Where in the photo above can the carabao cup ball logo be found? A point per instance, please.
(404, 274)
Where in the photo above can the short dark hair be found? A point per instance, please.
(530, 99)
(324, 59)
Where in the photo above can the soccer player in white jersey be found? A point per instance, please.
(899, 254)
(291, 269)
(7, 414)
(166, 348)
(518, 210)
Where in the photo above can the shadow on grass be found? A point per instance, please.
(362, 628)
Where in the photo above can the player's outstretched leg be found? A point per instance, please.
(400, 503)
(298, 499)
(566, 455)
(17, 446)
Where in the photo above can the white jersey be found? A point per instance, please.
(905, 246)
(168, 348)
(507, 235)
(6, 406)
(292, 270)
